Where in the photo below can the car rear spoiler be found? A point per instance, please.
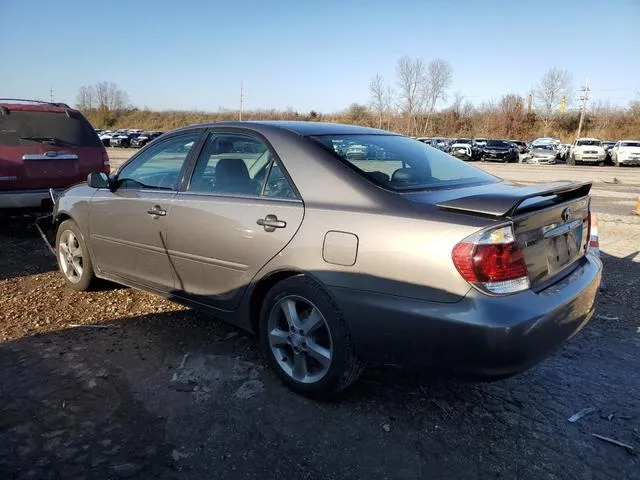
(505, 202)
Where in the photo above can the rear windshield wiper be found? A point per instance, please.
(51, 140)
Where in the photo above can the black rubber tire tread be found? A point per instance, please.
(346, 366)
(88, 276)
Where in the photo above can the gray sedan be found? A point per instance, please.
(400, 254)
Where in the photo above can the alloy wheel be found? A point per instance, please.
(300, 339)
(70, 256)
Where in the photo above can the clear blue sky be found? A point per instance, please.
(310, 54)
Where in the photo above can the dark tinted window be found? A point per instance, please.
(497, 143)
(401, 163)
(20, 127)
(277, 185)
(630, 144)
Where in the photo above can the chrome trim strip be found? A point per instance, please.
(241, 197)
(44, 156)
(562, 229)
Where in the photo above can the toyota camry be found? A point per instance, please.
(396, 254)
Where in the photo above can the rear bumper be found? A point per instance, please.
(489, 336)
(26, 199)
(629, 161)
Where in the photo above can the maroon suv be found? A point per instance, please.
(44, 145)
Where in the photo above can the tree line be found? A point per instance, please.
(418, 103)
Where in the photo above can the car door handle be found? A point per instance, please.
(157, 211)
(271, 222)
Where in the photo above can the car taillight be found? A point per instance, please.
(106, 167)
(492, 261)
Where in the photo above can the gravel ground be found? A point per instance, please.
(118, 383)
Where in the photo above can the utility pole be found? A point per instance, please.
(51, 94)
(583, 108)
(529, 102)
(241, 100)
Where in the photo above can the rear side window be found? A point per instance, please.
(27, 127)
(401, 163)
(232, 164)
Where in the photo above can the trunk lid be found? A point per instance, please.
(550, 221)
(46, 166)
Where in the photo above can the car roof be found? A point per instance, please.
(301, 127)
(34, 106)
(629, 140)
(589, 138)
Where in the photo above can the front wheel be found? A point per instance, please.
(73, 257)
(305, 338)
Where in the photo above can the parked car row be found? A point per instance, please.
(482, 149)
(587, 151)
(541, 150)
(134, 138)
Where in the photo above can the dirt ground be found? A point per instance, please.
(118, 383)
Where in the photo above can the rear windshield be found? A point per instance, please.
(402, 163)
(20, 127)
(464, 140)
(593, 143)
(497, 143)
(630, 144)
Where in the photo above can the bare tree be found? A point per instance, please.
(456, 104)
(411, 79)
(106, 96)
(378, 97)
(357, 113)
(438, 80)
(85, 100)
(555, 84)
(513, 115)
(389, 105)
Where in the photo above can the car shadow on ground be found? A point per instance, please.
(24, 250)
(180, 395)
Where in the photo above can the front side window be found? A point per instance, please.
(159, 167)
(401, 163)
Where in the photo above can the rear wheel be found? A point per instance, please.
(73, 257)
(305, 339)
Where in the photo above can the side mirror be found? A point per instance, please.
(98, 180)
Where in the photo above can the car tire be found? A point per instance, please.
(73, 258)
(286, 345)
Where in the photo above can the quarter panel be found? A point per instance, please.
(397, 255)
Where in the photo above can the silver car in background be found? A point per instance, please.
(340, 246)
(542, 154)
